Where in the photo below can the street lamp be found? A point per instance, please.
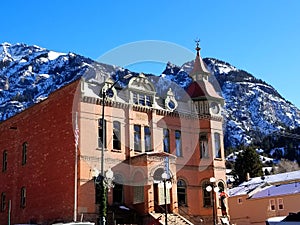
(214, 189)
(107, 180)
(167, 185)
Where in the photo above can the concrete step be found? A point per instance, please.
(172, 219)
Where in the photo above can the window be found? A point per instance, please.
(3, 201)
(137, 138)
(142, 99)
(138, 194)
(24, 153)
(4, 161)
(23, 197)
(181, 192)
(272, 204)
(147, 137)
(203, 142)
(280, 203)
(117, 135)
(217, 145)
(118, 190)
(118, 193)
(178, 144)
(166, 135)
(101, 133)
(221, 186)
(240, 201)
(206, 195)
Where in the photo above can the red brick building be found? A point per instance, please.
(143, 130)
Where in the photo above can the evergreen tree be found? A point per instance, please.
(248, 162)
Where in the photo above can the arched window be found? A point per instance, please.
(221, 186)
(181, 192)
(206, 195)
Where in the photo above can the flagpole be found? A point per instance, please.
(76, 133)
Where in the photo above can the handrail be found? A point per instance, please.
(188, 217)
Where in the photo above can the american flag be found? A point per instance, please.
(76, 131)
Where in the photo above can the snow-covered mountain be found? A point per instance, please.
(252, 109)
(28, 74)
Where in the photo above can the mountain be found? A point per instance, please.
(253, 109)
(28, 74)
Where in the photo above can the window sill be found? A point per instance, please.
(116, 150)
(100, 149)
(218, 159)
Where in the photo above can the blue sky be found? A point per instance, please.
(259, 36)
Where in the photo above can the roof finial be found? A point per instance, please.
(197, 45)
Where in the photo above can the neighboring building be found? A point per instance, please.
(146, 134)
(260, 198)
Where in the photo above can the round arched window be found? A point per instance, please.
(181, 192)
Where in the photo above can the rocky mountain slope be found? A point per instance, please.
(252, 108)
(28, 74)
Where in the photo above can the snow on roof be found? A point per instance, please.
(277, 190)
(256, 182)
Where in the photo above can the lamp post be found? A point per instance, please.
(214, 189)
(105, 182)
(167, 185)
(108, 92)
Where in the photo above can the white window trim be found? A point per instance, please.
(270, 204)
(278, 203)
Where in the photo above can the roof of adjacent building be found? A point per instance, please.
(277, 190)
(258, 183)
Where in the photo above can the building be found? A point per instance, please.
(260, 198)
(45, 178)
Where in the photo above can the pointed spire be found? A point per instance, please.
(200, 70)
(197, 46)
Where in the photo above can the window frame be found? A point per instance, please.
(178, 143)
(138, 194)
(102, 129)
(240, 200)
(182, 191)
(217, 142)
(272, 204)
(4, 160)
(166, 140)
(148, 139)
(137, 137)
(142, 99)
(203, 144)
(23, 197)
(206, 196)
(24, 153)
(3, 202)
(280, 204)
(117, 135)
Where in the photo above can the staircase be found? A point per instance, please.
(173, 219)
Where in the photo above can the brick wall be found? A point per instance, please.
(48, 175)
